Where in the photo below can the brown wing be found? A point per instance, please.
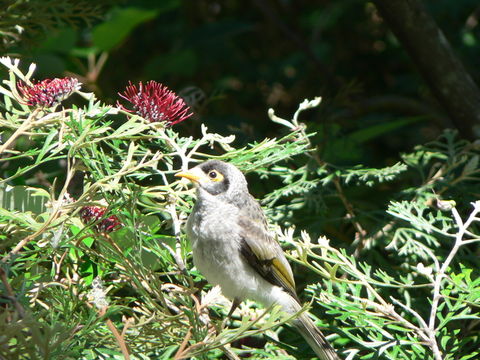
(262, 251)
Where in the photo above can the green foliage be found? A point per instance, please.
(110, 33)
(26, 20)
(397, 280)
(406, 287)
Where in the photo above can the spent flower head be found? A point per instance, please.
(155, 103)
(48, 92)
(91, 214)
(98, 294)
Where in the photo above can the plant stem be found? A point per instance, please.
(462, 228)
(26, 125)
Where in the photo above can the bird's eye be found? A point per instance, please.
(215, 176)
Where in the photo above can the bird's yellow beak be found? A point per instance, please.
(188, 175)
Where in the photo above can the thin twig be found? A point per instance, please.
(181, 352)
(422, 323)
(360, 232)
(118, 337)
(177, 254)
(229, 353)
(462, 227)
(25, 126)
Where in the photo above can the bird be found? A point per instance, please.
(233, 248)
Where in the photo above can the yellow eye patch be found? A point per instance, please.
(214, 175)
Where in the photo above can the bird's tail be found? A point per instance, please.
(314, 337)
(305, 326)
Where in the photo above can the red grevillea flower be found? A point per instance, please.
(48, 92)
(90, 214)
(155, 103)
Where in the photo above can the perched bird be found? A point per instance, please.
(232, 247)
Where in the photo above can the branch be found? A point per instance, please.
(22, 129)
(462, 228)
(446, 76)
(118, 337)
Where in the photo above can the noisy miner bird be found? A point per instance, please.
(232, 247)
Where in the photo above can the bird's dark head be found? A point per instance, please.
(216, 177)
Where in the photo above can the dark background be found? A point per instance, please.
(233, 60)
(237, 59)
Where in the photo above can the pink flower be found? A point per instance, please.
(48, 92)
(155, 103)
(91, 214)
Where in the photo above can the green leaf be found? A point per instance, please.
(375, 131)
(471, 166)
(109, 34)
(46, 145)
